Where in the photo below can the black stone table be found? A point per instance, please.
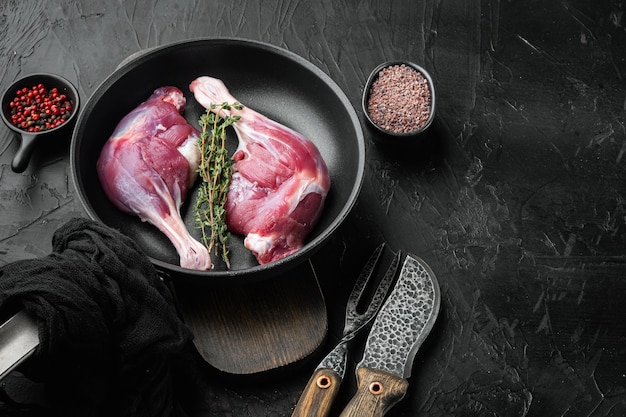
(516, 197)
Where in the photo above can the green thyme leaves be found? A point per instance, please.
(216, 172)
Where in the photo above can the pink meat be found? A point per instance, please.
(279, 183)
(147, 166)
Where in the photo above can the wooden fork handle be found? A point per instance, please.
(318, 395)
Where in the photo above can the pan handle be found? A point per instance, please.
(19, 337)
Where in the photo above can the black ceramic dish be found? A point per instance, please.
(271, 80)
(28, 140)
(366, 95)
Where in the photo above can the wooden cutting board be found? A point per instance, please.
(259, 326)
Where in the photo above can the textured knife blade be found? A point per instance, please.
(404, 321)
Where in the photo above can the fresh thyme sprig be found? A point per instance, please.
(215, 169)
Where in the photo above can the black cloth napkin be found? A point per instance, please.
(109, 334)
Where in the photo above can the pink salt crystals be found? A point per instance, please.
(399, 99)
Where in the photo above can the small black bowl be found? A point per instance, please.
(374, 76)
(29, 139)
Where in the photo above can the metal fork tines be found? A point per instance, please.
(318, 395)
(355, 320)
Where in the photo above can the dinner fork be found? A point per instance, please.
(323, 386)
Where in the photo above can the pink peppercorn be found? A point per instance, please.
(36, 109)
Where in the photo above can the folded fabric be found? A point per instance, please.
(108, 328)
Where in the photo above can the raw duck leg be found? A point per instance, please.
(148, 165)
(280, 180)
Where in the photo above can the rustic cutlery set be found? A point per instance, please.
(400, 327)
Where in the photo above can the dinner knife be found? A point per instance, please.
(402, 325)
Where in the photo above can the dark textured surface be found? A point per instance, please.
(515, 197)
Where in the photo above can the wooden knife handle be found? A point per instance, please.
(318, 395)
(377, 392)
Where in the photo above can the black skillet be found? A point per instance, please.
(271, 80)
